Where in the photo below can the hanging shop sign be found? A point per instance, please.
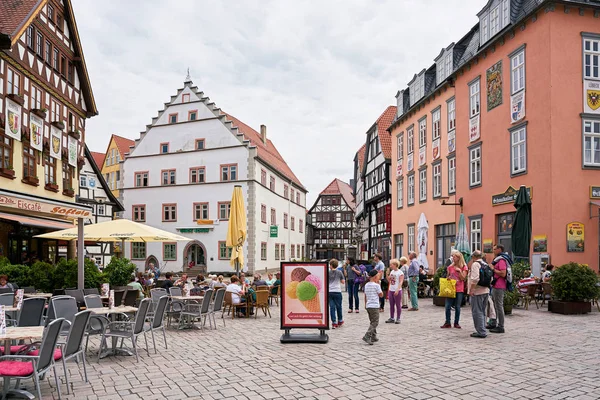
(595, 192)
(42, 207)
(273, 231)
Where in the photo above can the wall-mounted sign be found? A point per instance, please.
(494, 85)
(410, 165)
(205, 222)
(71, 212)
(72, 151)
(517, 107)
(399, 168)
(451, 142)
(594, 192)
(474, 132)
(540, 244)
(273, 231)
(12, 127)
(487, 246)
(591, 94)
(575, 237)
(193, 230)
(55, 142)
(509, 196)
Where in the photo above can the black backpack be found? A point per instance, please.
(485, 274)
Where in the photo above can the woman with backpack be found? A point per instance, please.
(457, 271)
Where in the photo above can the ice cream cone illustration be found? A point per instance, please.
(308, 294)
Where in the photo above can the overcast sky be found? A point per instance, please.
(317, 73)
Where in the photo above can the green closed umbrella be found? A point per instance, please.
(462, 239)
(521, 232)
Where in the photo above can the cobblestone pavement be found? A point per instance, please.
(541, 356)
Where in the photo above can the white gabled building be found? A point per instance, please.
(180, 176)
(95, 193)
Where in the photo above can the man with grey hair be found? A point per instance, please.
(413, 281)
(258, 281)
(480, 277)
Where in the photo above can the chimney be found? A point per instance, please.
(263, 133)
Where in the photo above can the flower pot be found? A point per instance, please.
(75, 134)
(31, 180)
(58, 125)
(439, 301)
(51, 187)
(508, 309)
(16, 98)
(7, 173)
(569, 307)
(39, 112)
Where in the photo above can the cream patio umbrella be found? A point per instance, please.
(236, 231)
(118, 230)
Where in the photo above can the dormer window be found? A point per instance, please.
(493, 19)
(444, 64)
(400, 103)
(417, 88)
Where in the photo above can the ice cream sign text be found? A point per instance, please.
(41, 207)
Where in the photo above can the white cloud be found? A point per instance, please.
(317, 74)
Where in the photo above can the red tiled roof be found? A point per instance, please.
(266, 152)
(14, 14)
(383, 123)
(123, 144)
(340, 187)
(98, 158)
(361, 156)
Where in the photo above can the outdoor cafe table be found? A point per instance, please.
(187, 298)
(112, 312)
(20, 333)
(45, 295)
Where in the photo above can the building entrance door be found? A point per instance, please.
(505, 225)
(196, 256)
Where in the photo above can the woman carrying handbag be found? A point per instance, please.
(456, 271)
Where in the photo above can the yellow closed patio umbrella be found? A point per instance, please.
(236, 231)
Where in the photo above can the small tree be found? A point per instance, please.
(574, 282)
(40, 276)
(118, 272)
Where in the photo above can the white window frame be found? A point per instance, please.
(417, 89)
(484, 28)
(591, 57)
(436, 123)
(83, 181)
(451, 109)
(591, 135)
(475, 234)
(517, 71)
(518, 150)
(494, 21)
(474, 98)
(437, 180)
(452, 175)
(410, 139)
(448, 64)
(423, 132)
(400, 193)
(400, 146)
(505, 13)
(475, 166)
(411, 189)
(411, 238)
(100, 210)
(423, 185)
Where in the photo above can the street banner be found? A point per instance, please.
(410, 162)
(474, 132)
(72, 151)
(304, 290)
(591, 94)
(436, 152)
(517, 107)
(451, 142)
(12, 127)
(36, 126)
(55, 142)
(422, 156)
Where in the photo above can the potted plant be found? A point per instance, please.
(31, 180)
(118, 272)
(58, 124)
(440, 272)
(511, 298)
(68, 191)
(51, 186)
(40, 112)
(8, 172)
(574, 286)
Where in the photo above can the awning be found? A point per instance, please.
(594, 203)
(38, 222)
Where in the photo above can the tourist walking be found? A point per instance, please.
(404, 269)
(395, 279)
(352, 273)
(380, 268)
(499, 267)
(457, 271)
(336, 280)
(413, 281)
(373, 293)
(479, 282)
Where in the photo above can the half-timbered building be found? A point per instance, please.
(45, 98)
(361, 234)
(376, 186)
(332, 218)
